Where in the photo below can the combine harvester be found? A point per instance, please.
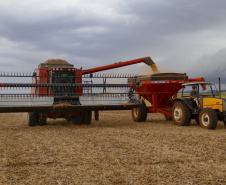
(59, 90)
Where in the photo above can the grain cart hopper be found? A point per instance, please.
(58, 90)
(160, 90)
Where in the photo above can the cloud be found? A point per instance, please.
(177, 34)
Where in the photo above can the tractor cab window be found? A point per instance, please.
(59, 77)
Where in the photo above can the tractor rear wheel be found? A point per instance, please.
(42, 117)
(181, 114)
(208, 118)
(140, 113)
(32, 118)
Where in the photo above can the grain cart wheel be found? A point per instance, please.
(208, 118)
(78, 119)
(140, 113)
(32, 118)
(42, 118)
(87, 117)
(181, 114)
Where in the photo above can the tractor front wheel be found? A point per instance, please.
(140, 113)
(208, 118)
(181, 114)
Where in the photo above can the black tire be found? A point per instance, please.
(87, 117)
(42, 117)
(140, 113)
(181, 114)
(32, 119)
(225, 123)
(78, 119)
(208, 118)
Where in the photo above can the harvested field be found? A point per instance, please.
(114, 150)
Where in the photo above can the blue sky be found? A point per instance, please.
(180, 35)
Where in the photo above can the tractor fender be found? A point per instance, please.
(187, 101)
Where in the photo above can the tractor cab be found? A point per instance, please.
(199, 93)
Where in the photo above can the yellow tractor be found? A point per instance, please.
(199, 101)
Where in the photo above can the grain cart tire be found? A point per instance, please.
(42, 117)
(87, 117)
(32, 118)
(208, 118)
(181, 114)
(140, 113)
(78, 119)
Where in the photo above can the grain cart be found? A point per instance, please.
(208, 108)
(160, 90)
(58, 90)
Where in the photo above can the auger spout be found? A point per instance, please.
(146, 60)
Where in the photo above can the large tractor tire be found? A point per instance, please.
(32, 119)
(181, 114)
(87, 117)
(208, 118)
(42, 117)
(140, 113)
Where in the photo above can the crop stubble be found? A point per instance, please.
(114, 150)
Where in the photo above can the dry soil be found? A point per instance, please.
(114, 150)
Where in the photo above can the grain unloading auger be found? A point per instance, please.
(58, 90)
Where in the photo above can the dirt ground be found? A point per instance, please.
(114, 150)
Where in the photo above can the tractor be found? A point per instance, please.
(206, 109)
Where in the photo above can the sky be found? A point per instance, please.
(179, 35)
